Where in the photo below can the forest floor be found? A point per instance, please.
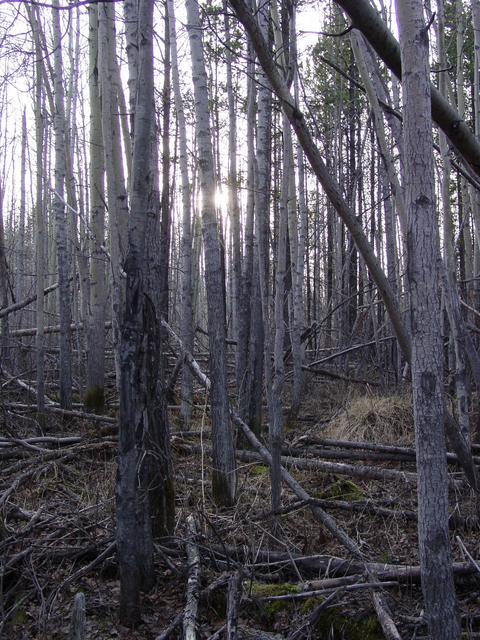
(57, 531)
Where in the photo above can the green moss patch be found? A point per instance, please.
(262, 590)
(267, 612)
(339, 627)
(258, 470)
(343, 490)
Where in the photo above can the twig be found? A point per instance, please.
(467, 553)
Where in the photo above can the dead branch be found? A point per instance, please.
(78, 630)
(193, 584)
(24, 303)
(389, 629)
(309, 624)
(220, 582)
(234, 594)
(336, 375)
(52, 408)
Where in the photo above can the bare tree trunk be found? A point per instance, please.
(139, 354)
(251, 325)
(187, 333)
(449, 269)
(40, 217)
(474, 193)
(95, 391)
(116, 192)
(299, 304)
(427, 366)
(22, 252)
(262, 211)
(165, 217)
(224, 474)
(4, 286)
(64, 294)
(234, 212)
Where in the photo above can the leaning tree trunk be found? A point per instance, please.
(224, 474)
(427, 362)
(365, 17)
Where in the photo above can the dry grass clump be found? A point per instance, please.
(375, 418)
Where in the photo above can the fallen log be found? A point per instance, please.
(305, 630)
(339, 468)
(349, 454)
(391, 572)
(330, 524)
(55, 328)
(21, 383)
(355, 347)
(404, 453)
(331, 567)
(455, 520)
(315, 593)
(53, 408)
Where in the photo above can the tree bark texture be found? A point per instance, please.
(139, 355)
(95, 393)
(427, 362)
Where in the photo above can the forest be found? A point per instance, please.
(240, 319)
